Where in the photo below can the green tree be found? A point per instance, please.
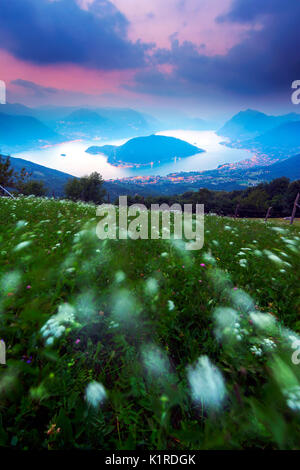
(278, 186)
(37, 188)
(9, 177)
(88, 188)
(6, 172)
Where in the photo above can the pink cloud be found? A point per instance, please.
(192, 20)
(63, 77)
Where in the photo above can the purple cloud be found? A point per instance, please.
(53, 32)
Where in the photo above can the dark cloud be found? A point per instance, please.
(247, 11)
(38, 90)
(51, 32)
(266, 61)
(153, 81)
(37, 94)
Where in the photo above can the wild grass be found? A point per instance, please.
(142, 344)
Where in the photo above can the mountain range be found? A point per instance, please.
(19, 131)
(101, 123)
(251, 123)
(104, 124)
(22, 127)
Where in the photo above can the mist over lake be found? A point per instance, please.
(71, 157)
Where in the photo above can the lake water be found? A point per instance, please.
(71, 157)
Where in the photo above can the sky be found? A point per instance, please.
(202, 57)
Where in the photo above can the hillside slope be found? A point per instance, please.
(54, 180)
(281, 141)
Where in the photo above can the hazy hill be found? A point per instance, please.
(104, 123)
(289, 168)
(250, 124)
(17, 110)
(54, 180)
(86, 116)
(180, 121)
(144, 150)
(282, 140)
(87, 121)
(23, 131)
(129, 118)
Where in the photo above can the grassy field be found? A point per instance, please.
(142, 344)
(282, 221)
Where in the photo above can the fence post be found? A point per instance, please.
(268, 214)
(236, 211)
(295, 208)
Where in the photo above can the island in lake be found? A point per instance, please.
(146, 150)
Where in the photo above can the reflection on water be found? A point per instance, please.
(71, 157)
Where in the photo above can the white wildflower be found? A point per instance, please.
(22, 245)
(256, 350)
(293, 397)
(225, 321)
(10, 282)
(241, 300)
(263, 321)
(156, 360)
(268, 344)
(206, 383)
(243, 263)
(56, 325)
(120, 277)
(95, 394)
(151, 286)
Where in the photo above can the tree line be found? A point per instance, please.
(254, 201)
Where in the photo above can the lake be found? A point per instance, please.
(71, 157)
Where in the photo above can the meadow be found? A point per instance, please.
(144, 345)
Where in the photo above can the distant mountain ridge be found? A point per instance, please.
(74, 122)
(282, 140)
(145, 150)
(250, 124)
(21, 131)
(103, 123)
(87, 116)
